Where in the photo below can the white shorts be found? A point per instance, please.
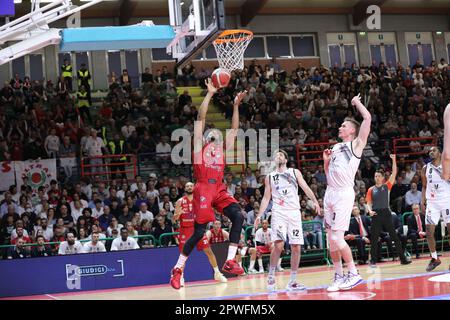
(436, 210)
(286, 224)
(338, 206)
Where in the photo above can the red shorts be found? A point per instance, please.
(209, 196)
(262, 250)
(185, 234)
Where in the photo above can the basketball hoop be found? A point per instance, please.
(230, 47)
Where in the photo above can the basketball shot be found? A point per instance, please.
(281, 186)
(220, 78)
(210, 192)
(446, 151)
(435, 201)
(184, 213)
(341, 164)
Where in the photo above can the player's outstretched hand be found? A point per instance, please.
(256, 224)
(326, 154)
(317, 207)
(356, 99)
(210, 86)
(393, 157)
(239, 97)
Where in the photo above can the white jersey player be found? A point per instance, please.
(124, 242)
(341, 164)
(446, 152)
(282, 187)
(94, 245)
(435, 201)
(70, 246)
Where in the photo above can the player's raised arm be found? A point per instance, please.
(326, 159)
(446, 151)
(264, 202)
(309, 193)
(231, 135)
(394, 169)
(364, 130)
(199, 126)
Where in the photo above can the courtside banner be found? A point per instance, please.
(96, 271)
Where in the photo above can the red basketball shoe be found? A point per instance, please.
(175, 279)
(231, 266)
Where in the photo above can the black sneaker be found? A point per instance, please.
(433, 264)
(406, 261)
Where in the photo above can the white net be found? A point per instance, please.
(230, 47)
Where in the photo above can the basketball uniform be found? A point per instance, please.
(216, 237)
(340, 195)
(187, 225)
(210, 192)
(286, 216)
(437, 195)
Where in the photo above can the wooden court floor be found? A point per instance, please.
(389, 281)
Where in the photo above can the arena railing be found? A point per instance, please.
(167, 235)
(149, 236)
(402, 148)
(310, 153)
(148, 162)
(117, 167)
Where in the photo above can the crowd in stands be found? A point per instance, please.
(307, 105)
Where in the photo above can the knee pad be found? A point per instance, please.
(233, 212)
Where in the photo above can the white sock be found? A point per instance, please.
(279, 263)
(216, 269)
(260, 262)
(434, 255)
(240, 264)
(181, 262)
(252, 264)
(293, 276)
(351, 267)
(272, 271)
(338, 268)
(231, 252)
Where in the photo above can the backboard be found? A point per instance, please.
(197, 23)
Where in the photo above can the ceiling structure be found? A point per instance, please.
(247, 9)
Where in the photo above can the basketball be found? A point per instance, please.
(220, 78)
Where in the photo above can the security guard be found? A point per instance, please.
(66, 70)
(83, 104)
(84, 79)
(117, 146)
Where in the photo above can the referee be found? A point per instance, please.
(378, 204)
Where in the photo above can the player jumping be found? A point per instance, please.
(436, 200)
(185, 214)
(210, 192)
(341, 164)
(281, 186)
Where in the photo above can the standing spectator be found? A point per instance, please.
(124, 242)
(52, 144)
(84, 79)
(94, 148)
(70, 246)
(66, 73)
(84, 104)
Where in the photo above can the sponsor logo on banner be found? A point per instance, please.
(7, 177)
(74, 273)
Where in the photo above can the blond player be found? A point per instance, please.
(341, 164)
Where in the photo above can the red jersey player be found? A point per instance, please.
(185, 214)
(210, 192)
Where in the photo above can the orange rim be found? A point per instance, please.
(245, 35)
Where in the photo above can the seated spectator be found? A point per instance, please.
(216, 234)
(358, 234)
(18, 251)
(70, 246)
(163, 226)
(144, 213)
(19, 233)
(124, 242)
(309, 236)
(106, 218)
(94, 245)
(41, 250)
(412, 196)
(82, 234)
(317, 230)
(145, 230)
(416, 228)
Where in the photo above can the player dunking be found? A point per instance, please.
(341, 164)
(184, 212)
(210, 192)
(446, 152)
(436, 200)
(281, 186)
